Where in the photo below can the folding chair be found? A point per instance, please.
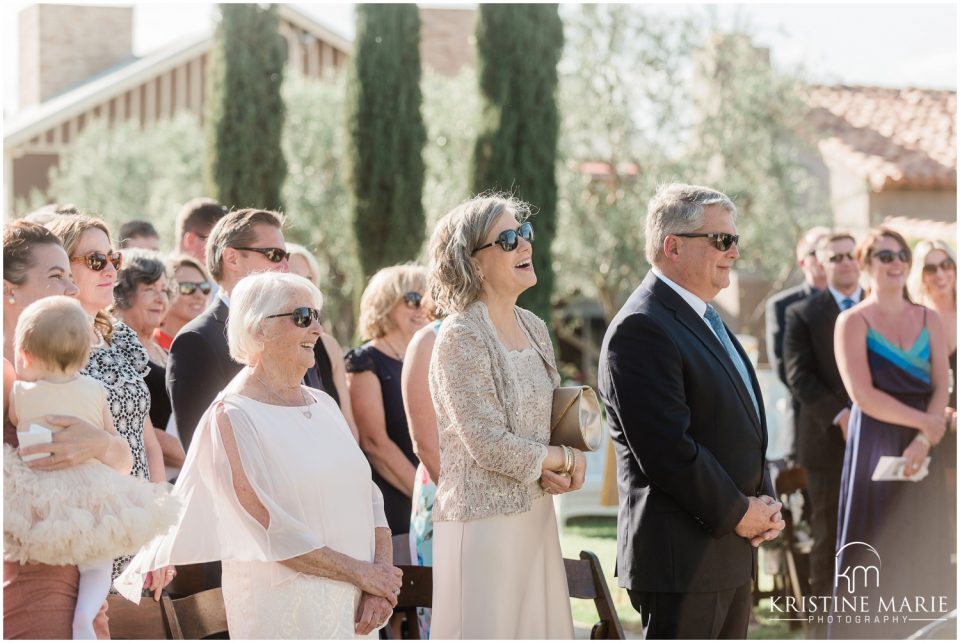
(198, 616)
(146, 620)
(585, 580)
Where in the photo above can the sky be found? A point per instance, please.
(865, 43)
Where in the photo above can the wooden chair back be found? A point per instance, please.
(199, 615)
(585, 580)
(146, 620)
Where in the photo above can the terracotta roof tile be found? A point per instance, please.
(894, 138)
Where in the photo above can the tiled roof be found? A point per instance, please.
(894, 138)
(912, 228)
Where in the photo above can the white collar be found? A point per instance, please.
(838, 296)
(223, 296)
(699, 306)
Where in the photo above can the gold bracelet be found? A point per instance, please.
(922, 439)
(567, 459)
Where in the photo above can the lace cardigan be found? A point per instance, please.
(486, 467)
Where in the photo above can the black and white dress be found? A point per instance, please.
(121, 366)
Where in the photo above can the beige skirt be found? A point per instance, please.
(500, 578)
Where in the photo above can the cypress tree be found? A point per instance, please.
(386, 135)
(244, 109)
(519, 46)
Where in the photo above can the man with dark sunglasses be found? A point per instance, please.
(199, 365)
(688, 427)
(822, 401)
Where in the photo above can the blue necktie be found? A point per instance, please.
(847, 303)
(713, 318)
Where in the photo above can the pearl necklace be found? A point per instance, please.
(305, 411)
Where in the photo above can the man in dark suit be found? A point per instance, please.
(814, 281)
(687, 423)
(199, 365)
(815, 383)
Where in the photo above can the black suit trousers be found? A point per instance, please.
(694, 615)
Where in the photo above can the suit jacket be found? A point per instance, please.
(776, 320)
(199, 367)
(814, 380)
(689, 445)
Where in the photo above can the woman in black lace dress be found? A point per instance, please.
(117, 358)
(389, 316)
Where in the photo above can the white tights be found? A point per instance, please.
(94, 585)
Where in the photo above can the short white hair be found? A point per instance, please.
(677, 208)
(255, 298)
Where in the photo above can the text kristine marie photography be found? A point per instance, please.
(858, 597)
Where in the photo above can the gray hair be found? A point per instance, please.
(256, 297)
(140, 266)
(453, 280)
(677, 208)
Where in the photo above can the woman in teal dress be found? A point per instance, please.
(893, 358)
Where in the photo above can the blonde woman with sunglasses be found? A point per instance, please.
(389, 316)
(117, 358)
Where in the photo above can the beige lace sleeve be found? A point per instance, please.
(466, 390)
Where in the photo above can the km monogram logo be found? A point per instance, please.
(858, 575)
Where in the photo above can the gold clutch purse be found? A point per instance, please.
(575, 421)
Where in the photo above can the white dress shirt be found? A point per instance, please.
(699, 306)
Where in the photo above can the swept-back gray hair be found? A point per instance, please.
(453, 280)
(677, 208)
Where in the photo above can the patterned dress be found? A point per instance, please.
(121, 366)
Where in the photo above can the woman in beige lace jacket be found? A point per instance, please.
(498, 571)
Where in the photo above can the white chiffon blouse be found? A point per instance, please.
(309, 473)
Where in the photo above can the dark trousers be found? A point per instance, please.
(724, 614)
(823, 491)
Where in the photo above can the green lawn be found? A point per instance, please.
(599, 536)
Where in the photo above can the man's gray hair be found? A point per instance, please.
(677, 208)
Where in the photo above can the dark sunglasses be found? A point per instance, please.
(275, 255)
(190, 287)
(97, 261)
(837, 258)
(412, 299)
(301, 316)
(946, 265)
(720, 240)
(508, 240)
(887, 256)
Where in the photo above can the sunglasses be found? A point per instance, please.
(508, 240)
(887, 256)
(720, 240)
(301, 316)
(946, 265)
(97, 261)
(837, 258)
(275, 255)
(412, 299)
(190, 287)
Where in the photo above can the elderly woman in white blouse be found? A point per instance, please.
(498, 570)
(277, 488)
